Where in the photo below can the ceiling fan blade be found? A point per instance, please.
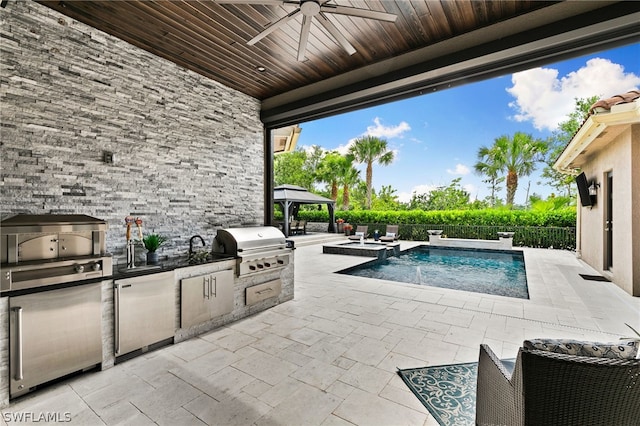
(258, 2)
(271, 28)
(337, 35)
(304, 36)
(362, 13)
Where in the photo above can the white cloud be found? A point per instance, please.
(460, 169)
(472, 190)
(382, 131)
(546, 100)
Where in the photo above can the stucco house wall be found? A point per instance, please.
(608, 142)
(188, 152)
(620, 158)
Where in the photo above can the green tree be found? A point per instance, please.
(289, 168)
(517, 156)
(558, 141)
(387, 199)
(367, 150)
(348, 178)
(329, 170)
(449, 197)
(488, 166)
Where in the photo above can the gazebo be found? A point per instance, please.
(290, 197)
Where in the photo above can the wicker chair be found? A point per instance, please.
(547, 388)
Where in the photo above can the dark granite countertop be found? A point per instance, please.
(167, 265)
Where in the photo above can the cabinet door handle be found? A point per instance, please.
(206, 288)
(213, 286)
(116, 310)
(19, 375)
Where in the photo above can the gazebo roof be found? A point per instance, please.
(297, 194)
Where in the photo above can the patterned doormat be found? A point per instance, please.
(447, 391)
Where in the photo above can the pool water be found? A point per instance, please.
(482, 271)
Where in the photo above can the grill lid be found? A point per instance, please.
(235, 241)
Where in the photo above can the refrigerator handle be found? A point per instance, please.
(19, 373)
(116, 310)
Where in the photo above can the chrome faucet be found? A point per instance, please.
(195, 237)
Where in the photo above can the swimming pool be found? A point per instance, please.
(482, 271)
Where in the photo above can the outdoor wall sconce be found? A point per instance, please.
(593, 192)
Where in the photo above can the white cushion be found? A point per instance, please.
(359, 234)
(391, 234)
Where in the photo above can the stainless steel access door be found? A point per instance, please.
(53, 333)
(145, 311)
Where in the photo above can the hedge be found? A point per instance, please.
(488, 217)
(554, 229)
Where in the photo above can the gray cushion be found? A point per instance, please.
(622, 349)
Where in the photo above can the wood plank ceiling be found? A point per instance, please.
(211, 38)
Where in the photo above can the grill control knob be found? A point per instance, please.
(96, 267)
(267, 264)
(79, 268)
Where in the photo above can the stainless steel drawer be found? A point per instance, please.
(264, 291)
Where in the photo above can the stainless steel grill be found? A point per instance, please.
(258, 249)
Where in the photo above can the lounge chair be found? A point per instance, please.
(391, 235)
(555, 388)
(361, 230)
(300, 227)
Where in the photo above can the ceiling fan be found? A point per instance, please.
(310, 9)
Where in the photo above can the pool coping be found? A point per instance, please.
(379, 250)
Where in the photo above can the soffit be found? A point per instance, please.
(419, 52)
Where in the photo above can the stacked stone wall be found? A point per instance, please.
(187, 151)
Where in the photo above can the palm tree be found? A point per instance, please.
(328, 171)
(488, 166)
(348, 177)
(368, 149)
(517, 156)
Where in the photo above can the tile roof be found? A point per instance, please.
(605, 104)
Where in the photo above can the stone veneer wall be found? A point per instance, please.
(188, 151)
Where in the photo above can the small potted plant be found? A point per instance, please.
(152, 243)
(347, 229)
(340, 223)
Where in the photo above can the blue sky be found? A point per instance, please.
(436, 137)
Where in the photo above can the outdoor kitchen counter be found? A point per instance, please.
(281, 279)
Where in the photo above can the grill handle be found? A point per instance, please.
(261, 248)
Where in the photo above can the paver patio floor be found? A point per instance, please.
(329, 357)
